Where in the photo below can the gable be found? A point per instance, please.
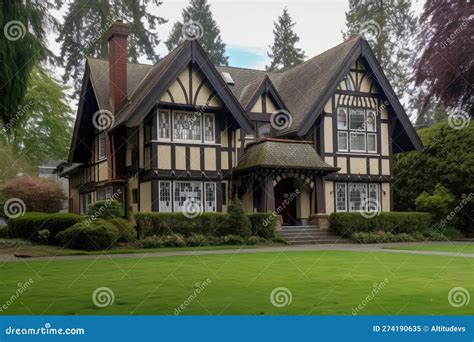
(358, 79)
(264, 104)
(163, 77)
(191, 88)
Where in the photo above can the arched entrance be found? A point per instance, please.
(285, 201)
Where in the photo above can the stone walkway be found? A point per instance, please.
(379, 248)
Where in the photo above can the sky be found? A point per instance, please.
(246, 26)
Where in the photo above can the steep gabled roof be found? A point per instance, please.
(165, 72)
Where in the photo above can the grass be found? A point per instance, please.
(323, 282)
(456, 248)
(44, 250)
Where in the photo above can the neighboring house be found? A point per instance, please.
(50, 170)
(186, 131)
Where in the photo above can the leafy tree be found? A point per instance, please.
(284, 53)
(10, 164)
(447, 159)
(198, 23)
(85, 26)
(438, 203)
(389, 29)
(41, 129)
(22, 46)
(445, 66)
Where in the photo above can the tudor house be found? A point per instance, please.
(159, 136)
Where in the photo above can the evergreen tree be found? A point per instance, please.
(284, 53)
(198, 23)
(24, 25)
(389, 27)
(84, 32)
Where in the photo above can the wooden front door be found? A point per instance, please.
(287, 209)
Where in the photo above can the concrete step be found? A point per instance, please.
(315, 233)
(317, 242)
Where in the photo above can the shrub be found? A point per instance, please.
(152, 242)
(394, 222)
(28, 225)
(43, 235)
(255, 240)
(174, 240)
(196, 240)
(38, 194)
(86, 235)
(237, 221)
(176, 223)
(8, 243)
(263, 224)
(438, 204)
(279, 239)
(126, 231)
(105, 209)
(232, 240)
(3, 232)
(451, 233)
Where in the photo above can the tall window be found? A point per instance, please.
(165, 196)
(102, 141)
(187, 193)
(84, 201)
(105, 193)
(356, 130)
(357, 196)
(164, 125)
(210, 203)
(208, 128)
(187, 126)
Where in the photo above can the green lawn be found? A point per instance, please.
(44, 250)
(456, 248)
(326, 282)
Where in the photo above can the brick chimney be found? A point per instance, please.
(118, 46)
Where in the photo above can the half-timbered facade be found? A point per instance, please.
(303, 143)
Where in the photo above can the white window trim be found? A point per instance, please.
(205, 196)
(171, 196)
(345, 197)
(186, 181)
(347, 141)
(367, 187)
(350, 141)
(365, 131)
(367, 144)
(337, 118)
(367, 120)
(158, 125)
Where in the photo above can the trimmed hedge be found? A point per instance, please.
(86, 235)
(105, 209)
(394, 222)
(263, 225)
(28, 225)
(126, 231)
(208, 224)
(4, 231)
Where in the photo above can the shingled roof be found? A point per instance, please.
(277, 153)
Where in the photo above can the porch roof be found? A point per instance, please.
(282, 153)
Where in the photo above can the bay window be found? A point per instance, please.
(185, 192)
(165, 196)
(357, 196)
(178, 195)
(356, 130)
(186, 126)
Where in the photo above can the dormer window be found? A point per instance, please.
(356, 130)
